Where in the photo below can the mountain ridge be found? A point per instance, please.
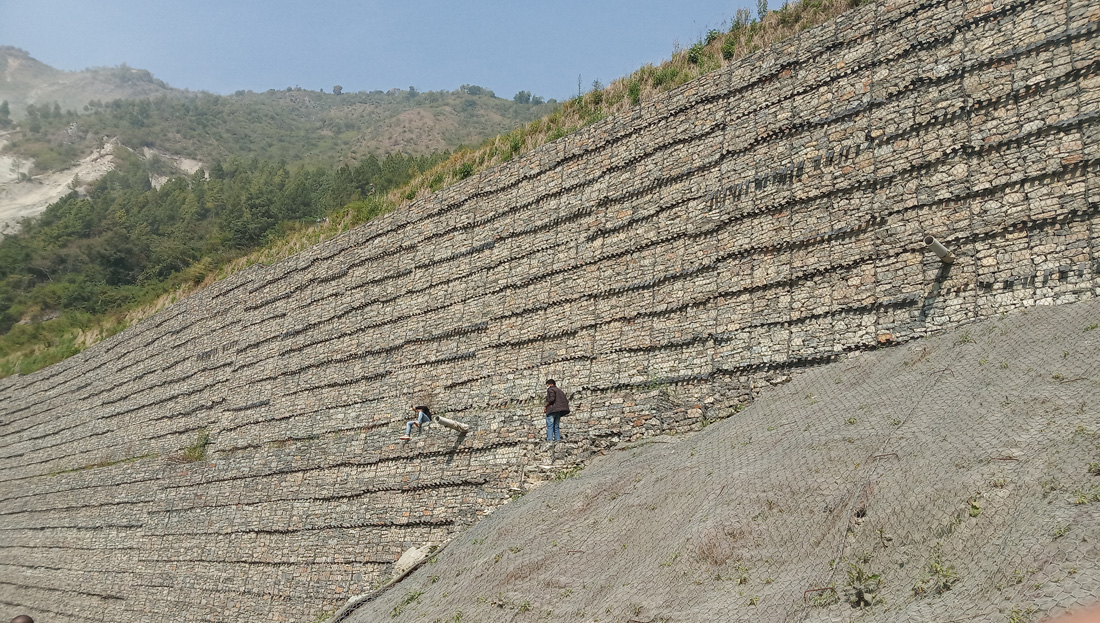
(289, 124)
(29, 81)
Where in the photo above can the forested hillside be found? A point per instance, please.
(125, 243)
(297, 126)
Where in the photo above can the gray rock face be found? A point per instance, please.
(662, 266)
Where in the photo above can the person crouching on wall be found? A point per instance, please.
(423, 416)
(556, 406)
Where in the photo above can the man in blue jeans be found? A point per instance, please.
(423, 416)
(556, 406)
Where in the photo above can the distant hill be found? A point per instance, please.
(65, 115)
(25, 80)
(299, 125)
(64, 120)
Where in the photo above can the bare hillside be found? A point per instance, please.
(28, 195)
(952, 478)
(25, 195)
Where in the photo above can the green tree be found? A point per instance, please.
(5, 114)
(336, 90)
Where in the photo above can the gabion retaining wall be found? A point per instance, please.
(664, 265)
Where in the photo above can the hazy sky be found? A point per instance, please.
(226, 45)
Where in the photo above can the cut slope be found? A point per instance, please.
(951, 474)
(21, 197)
(27, 196)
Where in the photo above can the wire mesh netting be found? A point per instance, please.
(951, 478)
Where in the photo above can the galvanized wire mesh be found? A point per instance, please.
(952, 478)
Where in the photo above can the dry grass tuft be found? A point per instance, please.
(717, 545)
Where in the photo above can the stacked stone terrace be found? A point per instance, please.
(663, 265)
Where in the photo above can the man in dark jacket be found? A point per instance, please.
(557, 405)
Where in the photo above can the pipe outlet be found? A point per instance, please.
(453, 424)
(941, 251)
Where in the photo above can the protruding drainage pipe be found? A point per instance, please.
(934, 246)
(454, 424)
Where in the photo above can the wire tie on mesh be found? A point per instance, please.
(879, 456)
(1005, 458)
(819, 590)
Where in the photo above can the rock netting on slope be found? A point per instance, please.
(664, 265)
(955, 478)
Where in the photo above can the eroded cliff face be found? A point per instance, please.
(663, 266)
(23, 195)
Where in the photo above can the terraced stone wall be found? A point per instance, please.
(664, 265)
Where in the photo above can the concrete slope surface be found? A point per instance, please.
(951, 478)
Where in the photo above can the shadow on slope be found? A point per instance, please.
(956, 477)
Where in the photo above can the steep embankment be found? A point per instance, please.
(379, 125)
(964, 464)
(767, 218)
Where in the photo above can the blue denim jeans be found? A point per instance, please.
(420, 419)
(553, 426)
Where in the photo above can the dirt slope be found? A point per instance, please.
(943, 480)
(24, 197)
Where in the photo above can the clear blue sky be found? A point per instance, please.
(226, 45)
